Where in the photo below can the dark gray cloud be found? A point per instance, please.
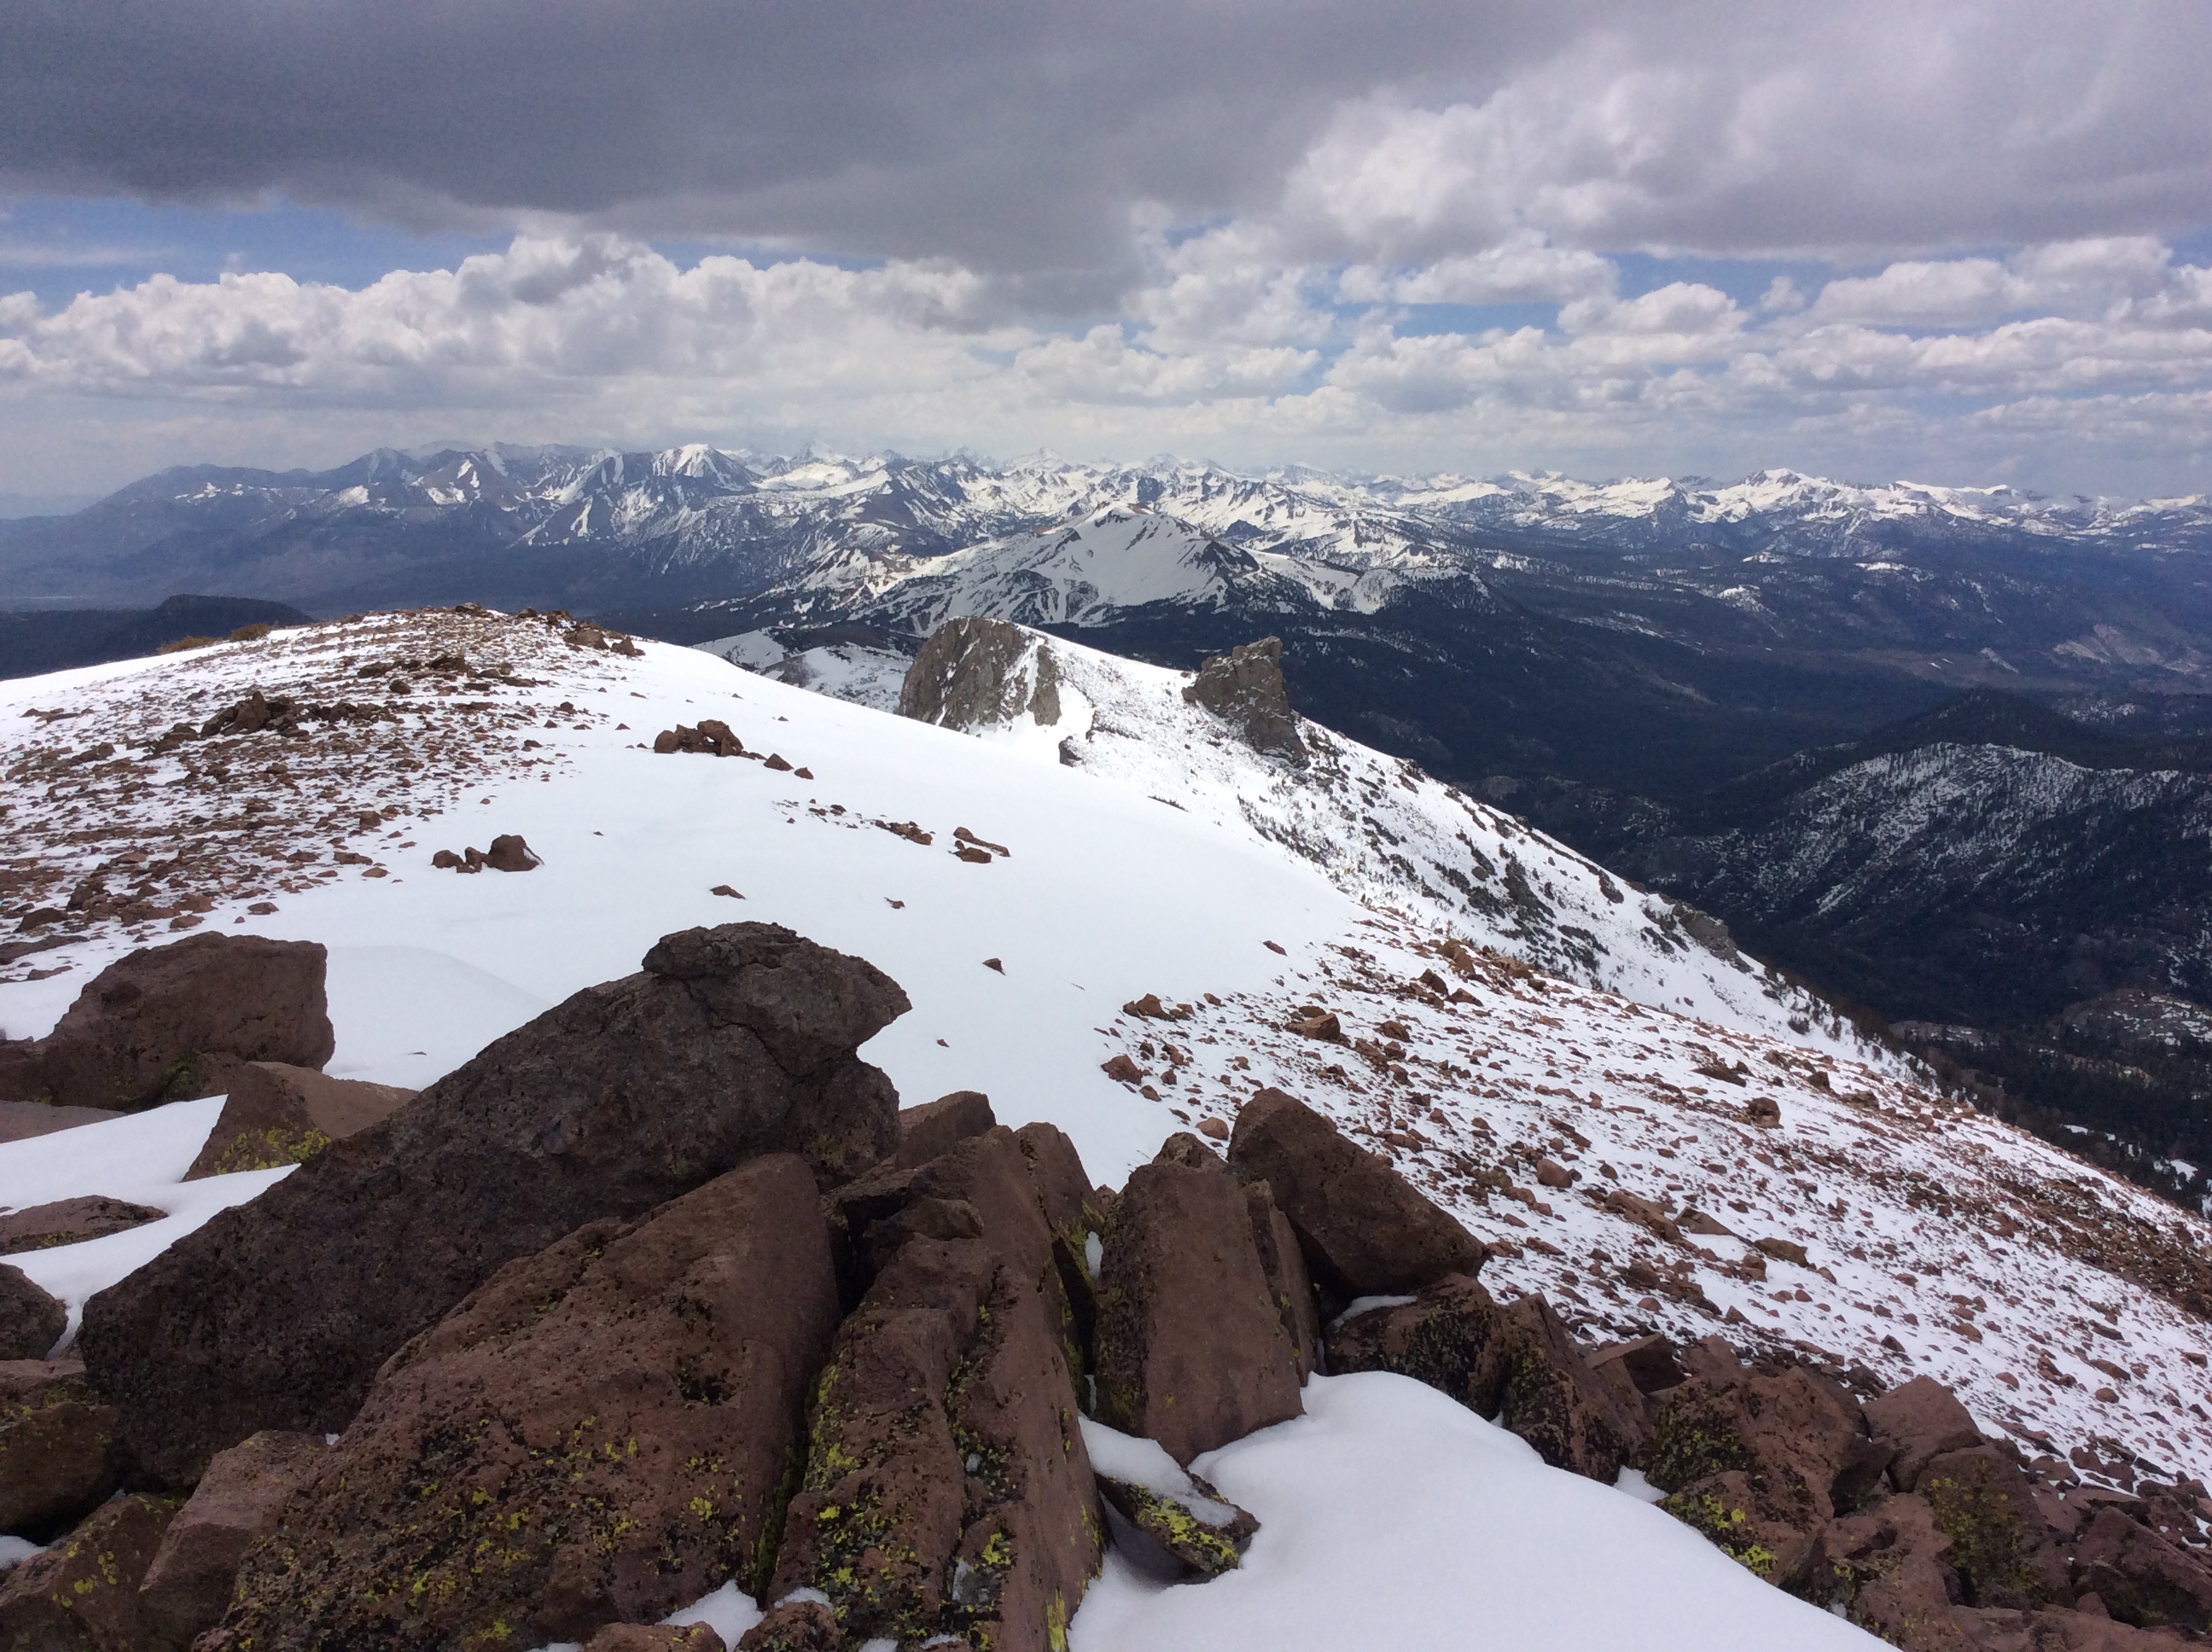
(1018, 136)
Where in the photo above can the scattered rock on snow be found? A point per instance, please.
(508, 853)
(612, 1417)
(732, 1042)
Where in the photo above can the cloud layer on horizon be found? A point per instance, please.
(1415, 234)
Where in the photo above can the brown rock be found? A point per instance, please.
(1550, 1175)
(188, 1586)
(669, 740)
(71, 1221)
(169, 1022)
(1796, 1437)
(447, 860)
(1122, 1071)
(734, 1041)
(1197, 1535)
(1763, 1111)
(1364, 1228)
(1733, 1512)
(935, 1126)
(83, 1593)
(1192, 1348)
(1284, 1267)
(1887, 1570)
(777, 762)
(278, 1115)
(1649, 1362)
(1516, 1362)
(656, 1637)
(1921, 1419)
(508, 853)
(794, 1626)
(1985, 1504)
(613, 1417)
(57, 1447)
(717, 736)
(1074, 1213)
(1783, 1250)
(947, 1489)
(20, 1120)
(1322, 1024)
(1645, 1214)
(1244, 687)
(31, 1321)
(2140, 1577)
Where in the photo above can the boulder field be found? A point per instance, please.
(663, 1292)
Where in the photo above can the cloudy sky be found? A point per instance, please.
(1955, 242)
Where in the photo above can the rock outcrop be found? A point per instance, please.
(733, 1042)
(276, 1113)
(1244, 687)
(936, 1127)
(600, 1434)
(969, 675)
(169, 1022)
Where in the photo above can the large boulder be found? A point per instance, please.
(947, 1489)
(57, 1456)
(1244, 687)
(31, 1321)
(1365, 1230)
(733, 1042)
(170, 1021)
(2141, 1578)
(1886, 1569)
(276, 1113)
(600, 1434)
(81, 1595)
(1191, 1346)
(936, 1127)
(1288, 1282)
(1516, 1363)
(188, 1586)
(1919, 1420)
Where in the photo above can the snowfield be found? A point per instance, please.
(1491, 1023)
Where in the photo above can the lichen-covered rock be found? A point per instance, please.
(1244, 687)
(71, 1221)
(1920, 1419)
(277, 1114)
(734, 1041)
(1197, 1547)
(936, 1127)
(1516, 1363)
(800, 1625)
(2140, 1577)
(1191, 1347)
(187, 1587)
(57, 1456)
(82, 1593)
(1886, 1569)
(603, 1433)
(947, 1489)
(31, 1321)
(1983, 1503)
(1075, 1214)
(1797, 1440)
(1365, 1230)
(168, 1022)
(1737, 1519)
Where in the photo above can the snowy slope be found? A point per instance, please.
(1992, 1260)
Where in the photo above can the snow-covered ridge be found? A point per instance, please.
(1988, 1259)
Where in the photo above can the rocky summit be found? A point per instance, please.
(1327, 1211)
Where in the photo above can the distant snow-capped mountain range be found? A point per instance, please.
(697, 523)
